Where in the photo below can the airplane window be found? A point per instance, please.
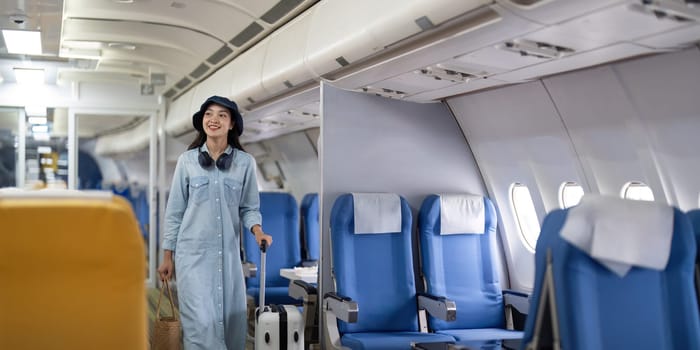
(638, 191)
(525, 213)
(570, 194)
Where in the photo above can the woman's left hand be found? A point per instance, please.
(260, 236)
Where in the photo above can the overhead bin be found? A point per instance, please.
(179, 118)
(246, 84)
(555, 11)
(129, 141)
(369, 26)
(218, 83)
(284, 65)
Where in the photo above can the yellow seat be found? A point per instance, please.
(72, 274)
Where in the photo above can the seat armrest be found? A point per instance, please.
(249, 269)
(342, 307)
(299, 289)
(518, 300)
(439, 307)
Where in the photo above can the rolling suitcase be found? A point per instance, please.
(277, 327)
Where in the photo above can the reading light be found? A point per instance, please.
(29, 76)
(22, 41)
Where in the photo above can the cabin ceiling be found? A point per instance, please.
(168, 46)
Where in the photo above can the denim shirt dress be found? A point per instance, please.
(202, 221)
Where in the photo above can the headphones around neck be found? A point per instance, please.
(223, 163)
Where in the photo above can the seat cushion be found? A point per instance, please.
(273, 295)
(391, 341)
(482, 334)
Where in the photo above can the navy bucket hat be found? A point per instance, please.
(221, 101)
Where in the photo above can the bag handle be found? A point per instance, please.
(170, 298)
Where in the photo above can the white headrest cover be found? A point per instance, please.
(621, 233)
(15, 193)
(461, 213)
(377, 212)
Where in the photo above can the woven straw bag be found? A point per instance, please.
(166, 329)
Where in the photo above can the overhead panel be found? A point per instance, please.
(486, 26)
(454, 90)
(613, 24)
(284, 65)
(682, 37)
(592, 38)
(408, 84)
(582, 60)
(494, 59)
(555, 11)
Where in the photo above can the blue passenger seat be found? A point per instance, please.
(694, 216)
(280, 219)
(614, 274)
(457, 232)
(372, 263)
(309, 227)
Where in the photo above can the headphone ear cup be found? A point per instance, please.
(224, 161)
(205, 159)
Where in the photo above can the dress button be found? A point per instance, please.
(217, 199)
(216, 182)
(219, 252)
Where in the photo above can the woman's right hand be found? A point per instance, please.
(166, 269)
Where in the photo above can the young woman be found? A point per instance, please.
(214, 193)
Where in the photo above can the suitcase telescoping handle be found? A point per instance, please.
(261, 280)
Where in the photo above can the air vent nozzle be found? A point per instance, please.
(676, 10)
(383, 92)
(440, 72)
(536, 49)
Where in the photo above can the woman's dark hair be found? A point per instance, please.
(201, 138)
